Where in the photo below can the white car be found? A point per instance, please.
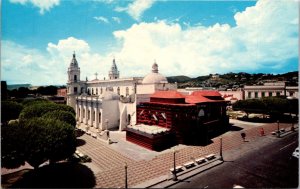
(296, 153)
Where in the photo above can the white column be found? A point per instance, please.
(86, 115)
(81, 113)
(97, 117)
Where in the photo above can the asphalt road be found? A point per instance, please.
(270, 166)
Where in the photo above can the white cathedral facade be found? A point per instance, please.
(110, 104)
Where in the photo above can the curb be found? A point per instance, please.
(166, 180)
(285, 133)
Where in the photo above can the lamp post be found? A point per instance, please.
(174, 166)
(221, 151)
(126, 185)
(278, 132)
(106, 124)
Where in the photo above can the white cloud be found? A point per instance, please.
(101, 19)
(22, 64)
(266, 35)
(43, 5)
(137, 8)
(116, 19)
(105, 1)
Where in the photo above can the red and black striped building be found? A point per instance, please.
(187, 119)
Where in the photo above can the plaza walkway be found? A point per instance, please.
(108, 163)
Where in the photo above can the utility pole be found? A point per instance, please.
(221, 151)
(126, 185)
(278, 132)
(174, 166)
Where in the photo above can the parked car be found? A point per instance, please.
(296, 153)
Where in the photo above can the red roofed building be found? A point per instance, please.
(178, 119)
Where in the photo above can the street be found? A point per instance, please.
(269, 166)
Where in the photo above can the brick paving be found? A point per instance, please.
(111, 163)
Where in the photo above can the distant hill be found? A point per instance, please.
(233, 80)
(17, 86)
(178, 79)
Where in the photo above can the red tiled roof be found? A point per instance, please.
(167, 94)
(169, 104)
(206, 93)
(197, 99)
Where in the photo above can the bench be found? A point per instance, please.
(200, 160)
(177, 168)
(94, 135)
(210, 156)
(189, 164)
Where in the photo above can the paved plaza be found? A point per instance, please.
(108, 160)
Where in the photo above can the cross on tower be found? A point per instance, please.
(96, 74)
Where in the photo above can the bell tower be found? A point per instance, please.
(113, 73)
(73, 84)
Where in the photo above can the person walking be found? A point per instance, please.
(262, 132)
(243, 135)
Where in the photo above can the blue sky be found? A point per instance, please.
(185, 37)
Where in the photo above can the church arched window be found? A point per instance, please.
(101, 90)
(92, 91)
(118, 90)
(96, 91)
(75, 77)
(127, 91)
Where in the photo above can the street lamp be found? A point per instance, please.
(221, 145)
(174, 166)
(278, 132)
(106, 124)
(126, 185)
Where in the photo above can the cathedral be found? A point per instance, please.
(110, 103)
(152, 111)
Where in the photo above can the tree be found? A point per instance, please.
(22, 92)
(12, 149)
(35, 101)
(250, 106)
(62, 116)
(48, 139)
(294, 106)
(10, 110)
(276, 106)
(39, 109)
(48, 90)
(4, 92)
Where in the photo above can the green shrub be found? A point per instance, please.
(39, 109)
(12, 146)
(62, 116)
(10, 110)
(48, 139)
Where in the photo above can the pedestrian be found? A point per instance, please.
(292, 128)
(243, 135)
(262, 132)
